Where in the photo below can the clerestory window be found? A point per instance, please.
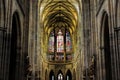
(59, 43)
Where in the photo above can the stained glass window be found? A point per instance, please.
(68, 42)
(60, 42)
(60, 77)
(51, 42)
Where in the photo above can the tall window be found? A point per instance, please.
(60, 77)
(60, 42)
(68, 42)
(51, 42)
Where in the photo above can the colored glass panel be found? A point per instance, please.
(68, 42)
(60, 42)
(51, 42)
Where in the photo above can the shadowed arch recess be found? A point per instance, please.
(15, 47)
(68, 75)
(105, 45)
(51, 75)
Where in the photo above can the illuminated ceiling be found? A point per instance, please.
(59, 13)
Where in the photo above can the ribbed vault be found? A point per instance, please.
(59, 13)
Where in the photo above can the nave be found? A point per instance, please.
(59, 40)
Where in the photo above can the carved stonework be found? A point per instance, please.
(90, 71)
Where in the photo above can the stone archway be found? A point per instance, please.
(14, 65)
(105, 47)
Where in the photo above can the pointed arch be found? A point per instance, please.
(68, 75)
(60, 75)
(14, 65)
(51, 75)
(105, 45)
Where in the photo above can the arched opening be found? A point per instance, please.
(15, 47)
(106, 46)
(68, 75)
(51, 75)
(60, 75)
(107, 49)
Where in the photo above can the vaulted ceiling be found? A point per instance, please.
(59, 13)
